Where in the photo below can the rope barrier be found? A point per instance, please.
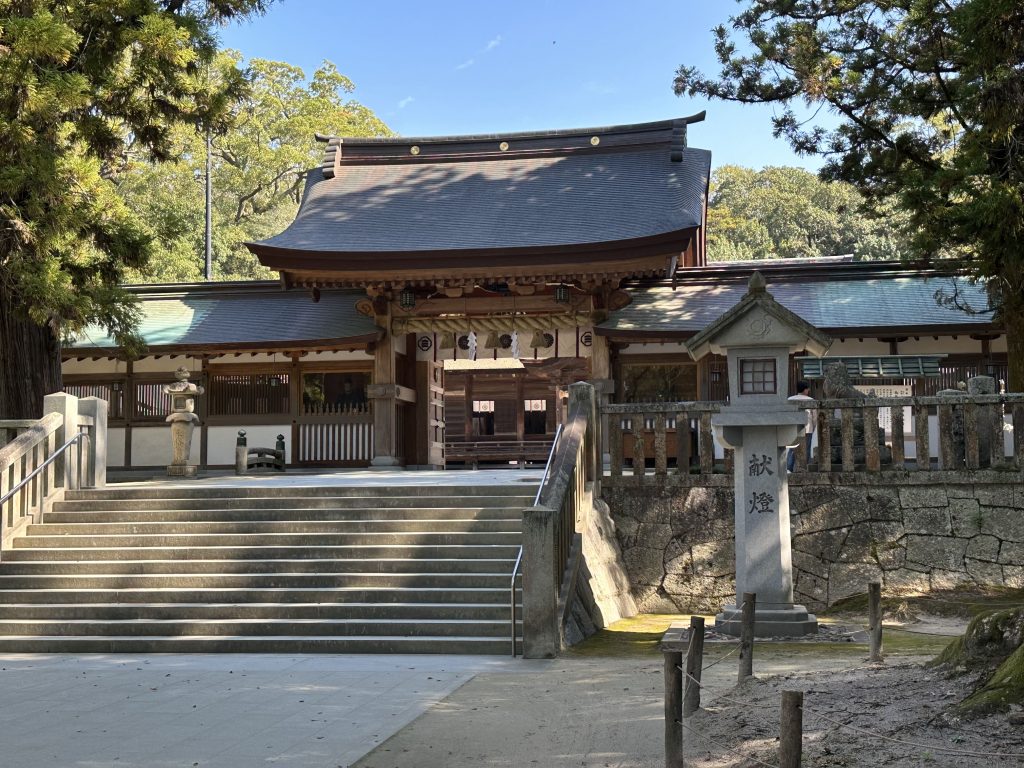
(709, 740)
(917, 745)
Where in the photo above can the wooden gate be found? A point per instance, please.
(337, 436)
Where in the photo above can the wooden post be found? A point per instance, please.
(875, 620)
(747, 636)
(694, 664)
(791, 729)
(673, 709)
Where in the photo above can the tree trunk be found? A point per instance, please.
(1013, 319)
(29, 362)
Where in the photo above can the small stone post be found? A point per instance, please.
(241, 454)
(541, 635)
(95, 470)
(66, 467)
(985, 385)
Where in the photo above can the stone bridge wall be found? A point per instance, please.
(912, 531)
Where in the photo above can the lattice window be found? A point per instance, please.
(757, 377)
(249, 394)
(111, 391)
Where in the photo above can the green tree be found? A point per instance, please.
(929, 98)
(82, 82)
(261, 156)
(790, 213)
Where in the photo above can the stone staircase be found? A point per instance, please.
(374, 569)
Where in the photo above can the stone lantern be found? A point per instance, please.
(757, 336)
(183, 421)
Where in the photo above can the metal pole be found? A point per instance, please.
(209, 208)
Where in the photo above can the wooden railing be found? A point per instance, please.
(967, 432)
(551, 528)
(64, 449)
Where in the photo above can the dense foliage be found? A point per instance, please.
(784, 212)
(929, 98)
(260, 157)
(83, 83)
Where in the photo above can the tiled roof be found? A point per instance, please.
(467, 195)
(866, 301)
(250, 315)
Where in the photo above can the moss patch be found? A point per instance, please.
(965, 601)
(640, 636)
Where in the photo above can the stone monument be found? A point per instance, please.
(757, 336)
(183, 421)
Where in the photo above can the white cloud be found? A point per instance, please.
(492, 44)
(406, 102)
(464, 65)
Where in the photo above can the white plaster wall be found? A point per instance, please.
(115, 447)
(851, 347)
(347, 354)
(220, 447)
(656, 348)
(151, 446)
(167, 364)
(944, 345)
(103, 366)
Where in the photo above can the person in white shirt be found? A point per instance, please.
(802, 393)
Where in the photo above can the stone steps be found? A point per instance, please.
(405, 569)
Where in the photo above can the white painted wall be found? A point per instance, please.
(115, 446)
(221, 441)
(656, 348)
(84, 367)
(151, 446)
(168, 364)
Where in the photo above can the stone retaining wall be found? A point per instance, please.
(912, 531)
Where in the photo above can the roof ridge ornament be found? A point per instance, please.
(679, 134)
(756, 284)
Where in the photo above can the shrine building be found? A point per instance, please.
(438, 295)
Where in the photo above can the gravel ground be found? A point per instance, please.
(607, 712)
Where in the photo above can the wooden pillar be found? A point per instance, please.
(296, 406)
(204, 413)
(602, 378)
(128, 404)
(384, 393)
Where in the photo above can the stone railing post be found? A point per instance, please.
(95, 458)
(541, 635)
(66, 467)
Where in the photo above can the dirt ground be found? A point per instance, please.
(602, 705)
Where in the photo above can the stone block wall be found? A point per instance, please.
(911, 531)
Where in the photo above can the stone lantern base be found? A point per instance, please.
(793, 621)
(182, 470)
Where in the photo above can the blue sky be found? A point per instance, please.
(455, 67)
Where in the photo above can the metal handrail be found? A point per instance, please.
(56, 454)
(519, 557)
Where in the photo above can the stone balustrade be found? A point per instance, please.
(944, 432)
